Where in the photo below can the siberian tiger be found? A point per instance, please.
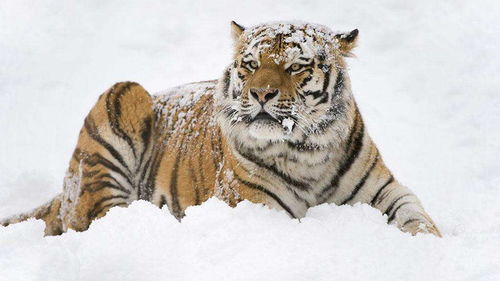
(280, 127)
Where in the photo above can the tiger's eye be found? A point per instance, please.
(254, 64)
(295, 67)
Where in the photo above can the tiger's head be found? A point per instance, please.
(288, 81)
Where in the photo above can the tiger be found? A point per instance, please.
(279, 128)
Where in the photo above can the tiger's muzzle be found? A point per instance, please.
(263, 95)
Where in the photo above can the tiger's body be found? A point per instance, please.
(280, 128)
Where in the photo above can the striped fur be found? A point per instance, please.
(280, 128)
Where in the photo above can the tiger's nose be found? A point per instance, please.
(263, 95)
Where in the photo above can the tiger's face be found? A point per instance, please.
(285, 82)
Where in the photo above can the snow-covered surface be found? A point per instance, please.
(250, 242)
(426, 78)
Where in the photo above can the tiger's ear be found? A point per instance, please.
(347, 42)
(236, 30)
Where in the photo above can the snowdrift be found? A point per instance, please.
(249, 242)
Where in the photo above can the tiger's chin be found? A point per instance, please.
(267, 130)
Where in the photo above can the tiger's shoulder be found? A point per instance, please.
(178, 108)
(184, 96)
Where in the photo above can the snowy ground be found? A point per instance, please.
(426, 78)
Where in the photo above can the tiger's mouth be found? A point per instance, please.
(263, 115)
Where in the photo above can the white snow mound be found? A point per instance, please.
(249, 242)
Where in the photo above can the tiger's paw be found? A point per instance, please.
(415, 226)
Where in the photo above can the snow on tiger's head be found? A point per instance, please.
(286, 81)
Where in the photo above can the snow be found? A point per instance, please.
(272, 29)
(425, 79)
(250, 242)
(188, 95)
(287, 124)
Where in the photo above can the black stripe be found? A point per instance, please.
(302, 146)
(375, 198)
(244, 65)
(305, 81)
(393, 204)
(269, 193)
(408, 222)
(144, 171)
(147, 126)
(357, 145)
(298, 46)
(97, 159)
(100, 185)
(361, 182)
(144, 189)
(156, 157)
(93, 132)
(163, 201)
(241, 76)
(310, 71)
(200, 158)
(113, 110)
(334, 109)
(326, 81)
(353, 131)
(176, 208)
(339, 83)
(195, 181)
(154, 166)
(393, 215)
(108, 206)
(279, 41)
(89, 174)
(321, 55)
(215, 152)
(323, 99)
(253, 46)
(92, 212)
(306, 203)
(357, 134)
(107, 176)
(315, 94)
(229, 113)
(227, 80)
(260, 148)
(272, 168)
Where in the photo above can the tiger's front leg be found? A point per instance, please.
(109, 166)
(403, 208)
